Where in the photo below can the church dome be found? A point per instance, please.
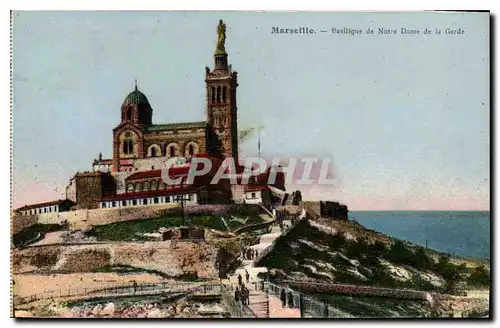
(136, 98)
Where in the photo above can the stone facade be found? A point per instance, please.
(92, 186)
(333, 210)
(137, 138)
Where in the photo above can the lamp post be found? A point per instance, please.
(181, 199)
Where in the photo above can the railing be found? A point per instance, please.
(252, 227)
(308, 306)
(236, 309)
(137, 289)
(361, 290)
(266, 210)
(269, 248)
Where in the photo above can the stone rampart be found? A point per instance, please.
(20, 222)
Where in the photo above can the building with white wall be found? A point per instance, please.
(61, 205)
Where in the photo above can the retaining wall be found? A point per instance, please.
(84, 218)
(172, 260)
(361, 290)
(20, 222)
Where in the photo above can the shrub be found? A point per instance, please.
(31, 232)
(205, 210)
(422, 284)
(448, 270)
(479, 277)
(400, 254)
(357, 249)
(378, 248)
(421, 260)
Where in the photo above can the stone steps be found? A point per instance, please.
(259, 303)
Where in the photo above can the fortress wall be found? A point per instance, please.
(83, 218)
(313, 208)
(49, 218)
(20, 222)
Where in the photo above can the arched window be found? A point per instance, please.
(213, 94)
(154, 184)
(191, 149)
(154, 150)
(138, 186)
(130, 187)
(223, 94)
(219, 96)
(146, 186)
(171, 151)
(128, 143)
(129, 114)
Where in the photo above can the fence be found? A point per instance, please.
(236, 309)
(362, 290)
(129, 289)
(309, 306)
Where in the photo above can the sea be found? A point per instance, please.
(462, 233)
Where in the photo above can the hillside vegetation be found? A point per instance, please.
(34, 233)
(310, 253)
(135, 230)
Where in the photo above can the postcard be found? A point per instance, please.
(178, 164)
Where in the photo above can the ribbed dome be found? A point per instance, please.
(136, 98)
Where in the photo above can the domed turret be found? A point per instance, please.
(136, 108)
(136, 98)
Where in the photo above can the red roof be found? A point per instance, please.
(172, 171)
(52, 203)
(255, 187)
(177, 190)
(144, 175)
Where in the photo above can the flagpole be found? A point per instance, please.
(258, 143)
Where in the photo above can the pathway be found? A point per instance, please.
(262, 304)
(259, 300)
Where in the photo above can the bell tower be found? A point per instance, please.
(221, 84)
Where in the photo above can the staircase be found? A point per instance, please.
(259, 302)
(259, 299)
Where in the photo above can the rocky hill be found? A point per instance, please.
(345, 252)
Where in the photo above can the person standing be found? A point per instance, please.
(290, 299)
(247, 276)
(237, 295)
(240, 280)
(243, 295)
(247, 296)
(283, 298)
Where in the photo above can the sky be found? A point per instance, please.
(404, 118)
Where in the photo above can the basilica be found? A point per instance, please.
(140, 148)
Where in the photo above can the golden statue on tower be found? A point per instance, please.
(221, 33)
